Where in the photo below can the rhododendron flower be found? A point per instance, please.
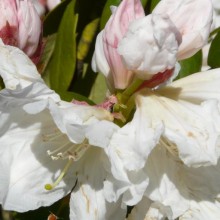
(43, 5)
(176, 190)
(20, 26)
(183, 120)
(49, 146)
(151, 45)
(193, 18)
(111, 64)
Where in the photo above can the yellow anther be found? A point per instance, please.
(59, 179)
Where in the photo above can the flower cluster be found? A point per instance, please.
(153, 145)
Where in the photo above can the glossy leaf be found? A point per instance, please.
(69, 96)
(47, 53)
(190, 65)
(62, 64)
(99, 89)
(153, 4)
(53, 19)
(214, 52)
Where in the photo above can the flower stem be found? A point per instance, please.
(126, 102)
(131, 89)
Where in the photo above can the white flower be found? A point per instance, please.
(184, 119)
(193, 18)
(47, 147)
(176, 190)
(134, 46)
(15, 69)
(150, 45)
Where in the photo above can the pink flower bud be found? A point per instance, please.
(42, 6)
(114, 31)
(52, 4)
(150, 46)
(193, 19)
(20, 26)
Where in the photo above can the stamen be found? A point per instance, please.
(59, 148)
(171, 147)
(74, 151)
(52, 136)
(77, 153)
(64, 171)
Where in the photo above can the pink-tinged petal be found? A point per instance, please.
(114, 31)
(20, 26)
(119, 21)
(29, 27)
(150, 46)
(8, 22)
(52, 4)
(39, 6)
(99, 62)
(193, 18)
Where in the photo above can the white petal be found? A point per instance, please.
(140, 210)
(187, 191)
(87, 199)
(133, 143)
(25, 166)
(166, 185)
(150, 45)
(16, 69)
(146, 209)
(128, 152)
(73, 119)
(131, 188)
(193, 19)
(195, 88)
(99, 62)
(202, 211)
(191, 131)
(100, 133)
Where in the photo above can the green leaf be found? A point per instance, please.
(2, 86)
(190, 65)
(47, 53)
(99, 89)
(52, 20)
(144, 2)
(153, 4)
(217, 30)
(214, 52)
(63, 61)
(69, 96)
